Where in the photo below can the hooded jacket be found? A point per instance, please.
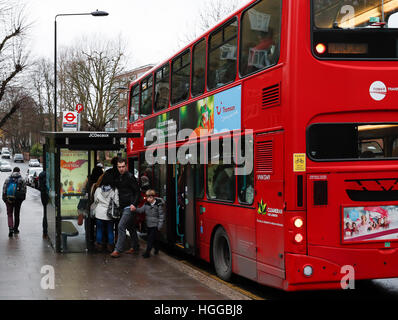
(102, 197)
(154, 213)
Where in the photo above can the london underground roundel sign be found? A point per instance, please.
(70, 117)
(69, 122)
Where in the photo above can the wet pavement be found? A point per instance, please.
(27, 262)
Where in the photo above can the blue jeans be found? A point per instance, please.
(126, 223)
(108, 226)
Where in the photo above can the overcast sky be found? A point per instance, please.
(150, 28)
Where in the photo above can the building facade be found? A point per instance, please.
(119, 123)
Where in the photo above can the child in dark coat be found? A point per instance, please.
(154, 216)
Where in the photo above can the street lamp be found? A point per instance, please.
(94, 14)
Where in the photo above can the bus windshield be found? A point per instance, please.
(353, 14)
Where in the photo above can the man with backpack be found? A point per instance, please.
(14, 192)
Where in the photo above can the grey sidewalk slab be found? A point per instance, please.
(82, 276)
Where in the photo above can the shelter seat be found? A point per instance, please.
(67, 230)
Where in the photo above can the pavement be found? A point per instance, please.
(31, 270)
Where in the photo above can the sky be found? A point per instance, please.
(152, 29)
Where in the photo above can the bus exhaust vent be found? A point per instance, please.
(264, 156)
(271, 96)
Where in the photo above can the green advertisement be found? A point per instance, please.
(74, 170)
(198, 116)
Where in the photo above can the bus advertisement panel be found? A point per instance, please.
(214, 114)
(370, 223)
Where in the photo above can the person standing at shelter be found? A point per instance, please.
(154, 216)
(14, 192)
(102, 198)
(129, 193)
(44, 201)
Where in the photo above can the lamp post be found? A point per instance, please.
(94, 14)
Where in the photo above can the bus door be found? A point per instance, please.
(269, 201)
(185, 221)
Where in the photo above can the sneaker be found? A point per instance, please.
(115, 254)
(146, 255)
(10, 234)
(16, 231)
(130, 251)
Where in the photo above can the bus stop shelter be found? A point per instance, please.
(69, 158)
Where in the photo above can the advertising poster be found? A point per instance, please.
(227, 107)
(167, 123)
(370, 223)
(74, 171)
(198, 116)
(213, 114)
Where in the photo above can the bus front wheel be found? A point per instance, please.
(222, 255)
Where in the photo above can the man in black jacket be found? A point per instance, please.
(44, 201)
(129, 193)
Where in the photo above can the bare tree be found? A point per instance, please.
(20, 126)
(41, 83)
(13, 55)
(87, 76)
(210, 13)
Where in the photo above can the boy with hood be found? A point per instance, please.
(154, 215)
(14, 192)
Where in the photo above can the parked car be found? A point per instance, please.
(34, 163)
(6, 155)
(5, 166)
(32, 177)
(18, 157)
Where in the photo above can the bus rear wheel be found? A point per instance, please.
(222, 255)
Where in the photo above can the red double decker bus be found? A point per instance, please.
(307, 90)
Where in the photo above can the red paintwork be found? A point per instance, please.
(312, 91)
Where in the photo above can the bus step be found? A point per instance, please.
(180, 245)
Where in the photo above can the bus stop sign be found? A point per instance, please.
(69, 122)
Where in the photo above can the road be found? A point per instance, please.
(23, 166)
(380, 289)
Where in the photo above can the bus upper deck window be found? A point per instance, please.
(355, 30)
(222, 55)
(146, 96)
(198, 67)
(180, 77)
(161, 88)
(260, 37)
(134, 102)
